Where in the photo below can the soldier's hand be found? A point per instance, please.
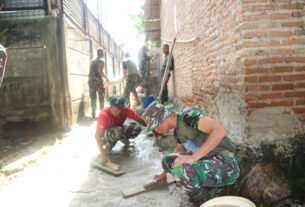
(160, 177)
(183, 159)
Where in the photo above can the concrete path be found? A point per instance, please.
(64, 177)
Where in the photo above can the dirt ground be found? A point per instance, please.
(54, 169)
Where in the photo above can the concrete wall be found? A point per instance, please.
(34, 71)
(247, 68)
(47, 71)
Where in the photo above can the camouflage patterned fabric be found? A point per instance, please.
(191, 116)
(96, 84)
(143, 66)
(118, 101)
(212, 171)
(155, 114)
(133, 80)
(116, 133)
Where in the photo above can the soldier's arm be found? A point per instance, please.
(101, 71)
(141, 121)
(216, 134)
(98, 136)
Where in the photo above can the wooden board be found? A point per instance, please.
(141, 188)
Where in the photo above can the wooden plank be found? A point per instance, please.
(141, 188)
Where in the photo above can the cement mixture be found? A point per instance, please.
(65, 177)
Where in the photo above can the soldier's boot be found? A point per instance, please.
(199, 195)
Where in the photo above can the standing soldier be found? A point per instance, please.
(144, 69)
(133, 78)
(164, 97)
(96, 81)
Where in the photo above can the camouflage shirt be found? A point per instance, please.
(94, 69)
(191, 138)
(143, 64)
(171, 66)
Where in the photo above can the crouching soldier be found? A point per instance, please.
(204, 156)
(111, 128)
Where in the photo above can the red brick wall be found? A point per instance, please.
(252, 48)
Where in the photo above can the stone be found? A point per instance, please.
(265, 184)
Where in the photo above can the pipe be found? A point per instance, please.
(181, 41)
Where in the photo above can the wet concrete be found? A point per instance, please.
(65, 177)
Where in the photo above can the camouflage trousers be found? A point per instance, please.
(133, 81)
(164, 97)
(96, 86)
(211, 171)
(120, 133)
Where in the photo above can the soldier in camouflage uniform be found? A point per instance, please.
(111, 128)
(133, 78)
(204, 156)
(96, 84)
(145, 69)
(164, 97)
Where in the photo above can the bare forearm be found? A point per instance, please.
(104, 76)
(141, 121)
(179, 148)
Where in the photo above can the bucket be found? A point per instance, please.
(228, 201)
(147, 100)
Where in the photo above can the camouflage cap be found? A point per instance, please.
(118, 101)
(155, 114)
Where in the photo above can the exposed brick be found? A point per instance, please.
(300, 85)
(302, 68)
(270, 79)
(294, 77)
(250, 62)
(292, 6)
(282, 103)
(282, 86)
(293, 24)
(256, 70)
(250, 79)
(265, 7)
(253, 1)
(295, 94)
(270, 96)
(272, 43)
(249, 44)
(257, 88)
(271, 60)
(254, 53)
(249, 35)
(265, 25)
(294, 42)
(299, 111)
(298, 14)
(295, 59)
(280, 34)
(280, 16)
(282, 51)
(254, 17)
(249, 97)
(257, 105)
(300, 102)
(281, 69)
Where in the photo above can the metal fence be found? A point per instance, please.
(75, 10)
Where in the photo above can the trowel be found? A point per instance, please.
(141, 188)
